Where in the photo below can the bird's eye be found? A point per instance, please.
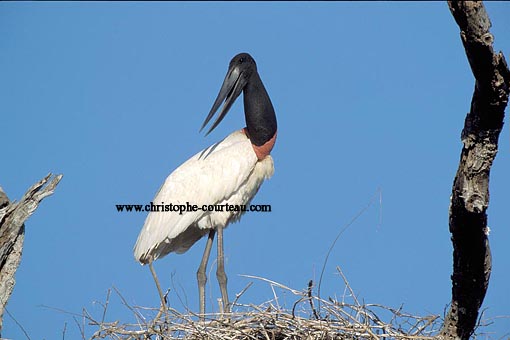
(241, 60)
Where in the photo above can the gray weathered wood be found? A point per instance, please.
(12, 232)
(470, 193)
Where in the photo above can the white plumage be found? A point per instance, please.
(226, 172)
(229, 172)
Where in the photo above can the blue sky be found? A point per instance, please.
(368, 96)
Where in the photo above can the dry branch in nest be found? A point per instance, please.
(337, 319)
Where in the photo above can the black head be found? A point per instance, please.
(240, 69)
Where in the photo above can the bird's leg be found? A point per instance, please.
(220, 272)
(161, 296)
(201, 276)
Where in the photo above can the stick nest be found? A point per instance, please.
(310, 318)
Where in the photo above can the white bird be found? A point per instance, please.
(230, 171)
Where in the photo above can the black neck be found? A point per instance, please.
(258, 111)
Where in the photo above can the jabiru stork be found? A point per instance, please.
(230, 171)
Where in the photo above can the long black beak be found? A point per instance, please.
(231, 89)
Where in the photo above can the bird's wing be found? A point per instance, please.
(210, 177)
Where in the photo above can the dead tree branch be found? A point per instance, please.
(12, 232)
(470, 193)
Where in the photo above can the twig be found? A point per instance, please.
(17, 323)
(310, 299)
(293, 291)
(128, 306)
(82, 330)
(378, 193)
(238, 295)
(106, 305)
(348, 285)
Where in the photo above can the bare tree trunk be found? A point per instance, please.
(470, 193)
(12, 232)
